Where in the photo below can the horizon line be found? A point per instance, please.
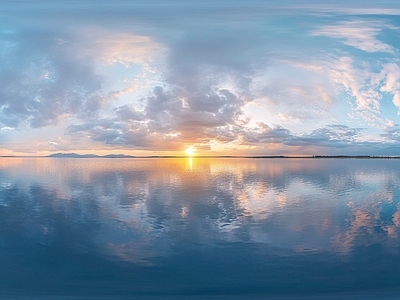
(75, 155)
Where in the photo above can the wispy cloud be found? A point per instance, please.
(357, 82)
(392, 133)
(336, 136)
(361, 34)
(113, 46)
(390, 77)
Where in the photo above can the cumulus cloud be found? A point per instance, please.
(126, 113)
(48, 74)
(263, 133)
(41, 80)
(168, 121)
(112, 131)
(204, 85)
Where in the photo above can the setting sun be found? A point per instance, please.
(190, 151)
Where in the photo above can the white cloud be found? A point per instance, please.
(390, 76)
(319, 91)
(294, 91)
(361, 84)
(361, 34)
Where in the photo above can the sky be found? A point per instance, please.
(217, 77)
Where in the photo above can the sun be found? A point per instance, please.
(190, 151)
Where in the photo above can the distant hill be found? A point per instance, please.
(72, 155)
(75, 155)
(117, 156)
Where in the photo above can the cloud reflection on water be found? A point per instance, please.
(160, 213)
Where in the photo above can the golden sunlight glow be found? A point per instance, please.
(191, 163)
(190, 151)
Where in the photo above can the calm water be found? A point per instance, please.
(137, 227)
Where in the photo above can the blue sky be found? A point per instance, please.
(222, 77)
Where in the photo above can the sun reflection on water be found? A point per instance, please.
(190, 163)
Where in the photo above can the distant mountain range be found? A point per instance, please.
(75, 155)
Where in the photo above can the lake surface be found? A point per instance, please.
(199, 227)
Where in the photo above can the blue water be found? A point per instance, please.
(191, 227)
